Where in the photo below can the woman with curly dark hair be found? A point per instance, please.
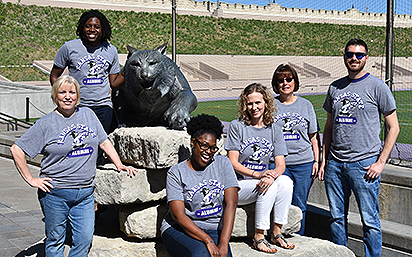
(202, 196)
(94, 63)
(253, 139)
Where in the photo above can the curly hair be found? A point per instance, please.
(270, 105)
(204, 123)
(284, 70)
(104, 22)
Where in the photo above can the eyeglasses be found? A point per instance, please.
(289, 79)
(204, 147)
(358, 55)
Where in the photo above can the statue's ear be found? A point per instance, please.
(131, 50)
(162, 49)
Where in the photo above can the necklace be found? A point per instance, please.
(72, 133)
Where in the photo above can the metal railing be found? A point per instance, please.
(13, 123)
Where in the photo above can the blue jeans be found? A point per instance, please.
(105, 115)
(179, 244)
(340, 179)
(301, 175)
(65, 209)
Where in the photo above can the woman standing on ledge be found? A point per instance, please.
(251, 141)
(297, 119)
(68, 138)
(202, 196)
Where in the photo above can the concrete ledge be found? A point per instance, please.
(397, 238)
(395, 192)
(305, 247)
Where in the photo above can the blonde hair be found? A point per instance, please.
(270, 106)
(63, 81)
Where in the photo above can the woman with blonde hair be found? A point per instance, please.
(68, 138)
(253, 139)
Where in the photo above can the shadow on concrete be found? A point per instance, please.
(34, 250)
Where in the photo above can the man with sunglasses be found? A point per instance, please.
(353, 156)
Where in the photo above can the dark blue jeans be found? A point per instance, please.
(105, 115)
(301, 175)
(179, 244)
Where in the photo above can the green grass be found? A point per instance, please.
(31, 33)
(227, 111)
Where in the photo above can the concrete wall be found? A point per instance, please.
(394, 195)
(13, 99)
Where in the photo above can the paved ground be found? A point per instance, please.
(21, 222)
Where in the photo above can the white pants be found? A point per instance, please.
(278, 198)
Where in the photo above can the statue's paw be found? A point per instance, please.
(176, 118)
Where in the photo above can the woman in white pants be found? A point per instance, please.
(253, 139)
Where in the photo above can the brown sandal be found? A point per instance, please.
(265, 242)
(274, 241)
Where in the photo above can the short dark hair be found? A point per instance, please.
(104, 22)
(284, 69)
(356, 42)
(204, 123)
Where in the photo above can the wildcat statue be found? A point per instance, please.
(155, 92)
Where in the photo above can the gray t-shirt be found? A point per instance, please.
(356, 107)
(255, 145)
(69, 146)
(297, 121)
(91, 67)
(201, 191)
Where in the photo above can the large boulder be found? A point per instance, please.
(114, 187)
(151, 147)
(154, 147)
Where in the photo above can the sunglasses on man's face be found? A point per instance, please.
(358, 55)
(283, 80)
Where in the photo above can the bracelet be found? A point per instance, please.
(316, 161)
(209, 242)
(253, 173)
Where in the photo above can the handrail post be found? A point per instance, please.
(27, 109)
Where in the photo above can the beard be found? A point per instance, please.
(358, 68)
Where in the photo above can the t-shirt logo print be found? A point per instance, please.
(289, 129)
(207, 195)
(79, 139)
(96, 65)
(261, 148)
(79, 133)
(257, 154)
(93, 69)
(348, 102)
